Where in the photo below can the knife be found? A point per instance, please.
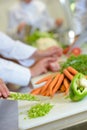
(8, 115)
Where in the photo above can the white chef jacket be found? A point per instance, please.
(11, 72)
(35, 14)
(80, 16)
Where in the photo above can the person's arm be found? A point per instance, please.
(14, 49)
(13, 73)
(23, 53)
(4, 92)
(16, 74)
(79, 17)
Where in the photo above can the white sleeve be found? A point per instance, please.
(14, 73)
(80, 16)
(14, 49)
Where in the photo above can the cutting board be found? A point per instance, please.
(63, 108)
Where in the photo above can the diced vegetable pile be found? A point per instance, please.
(21, 96)
(39, 110)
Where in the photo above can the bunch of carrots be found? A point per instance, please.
(55, 83)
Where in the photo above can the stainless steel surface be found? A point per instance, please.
(8, 115)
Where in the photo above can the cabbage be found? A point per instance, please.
(44, 43)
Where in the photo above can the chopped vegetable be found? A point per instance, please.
(21, 96)
(39, 110)
(79, 63)
(78, 90)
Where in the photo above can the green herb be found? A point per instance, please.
(39, 110)
(21, 96)
(79, 63)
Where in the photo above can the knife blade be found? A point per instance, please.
(8, 115)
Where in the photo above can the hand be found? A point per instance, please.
(41, 66)
(54, 66)
(50, 52)
(4, 92)
(21, 27)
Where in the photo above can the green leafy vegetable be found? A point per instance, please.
(31, 39)
(39, 110)
(21, 96)
(77, 62)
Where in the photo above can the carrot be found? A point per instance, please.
(59, 82)
(44, 93)
(47, 93)
(43, 79)
(72, 70)
(67, 74)
(66, 84)
(36, 91)
(53, 83)
(46, 85)
(63, 88)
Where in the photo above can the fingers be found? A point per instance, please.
(4, 92)
(45, 70)
(49, 59)
(0, 94)
(55, 51)
(54, 66)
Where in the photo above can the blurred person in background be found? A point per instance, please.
(31, 62)
(79, 26)
(4, 92)
(33, 13)
(80, 17)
